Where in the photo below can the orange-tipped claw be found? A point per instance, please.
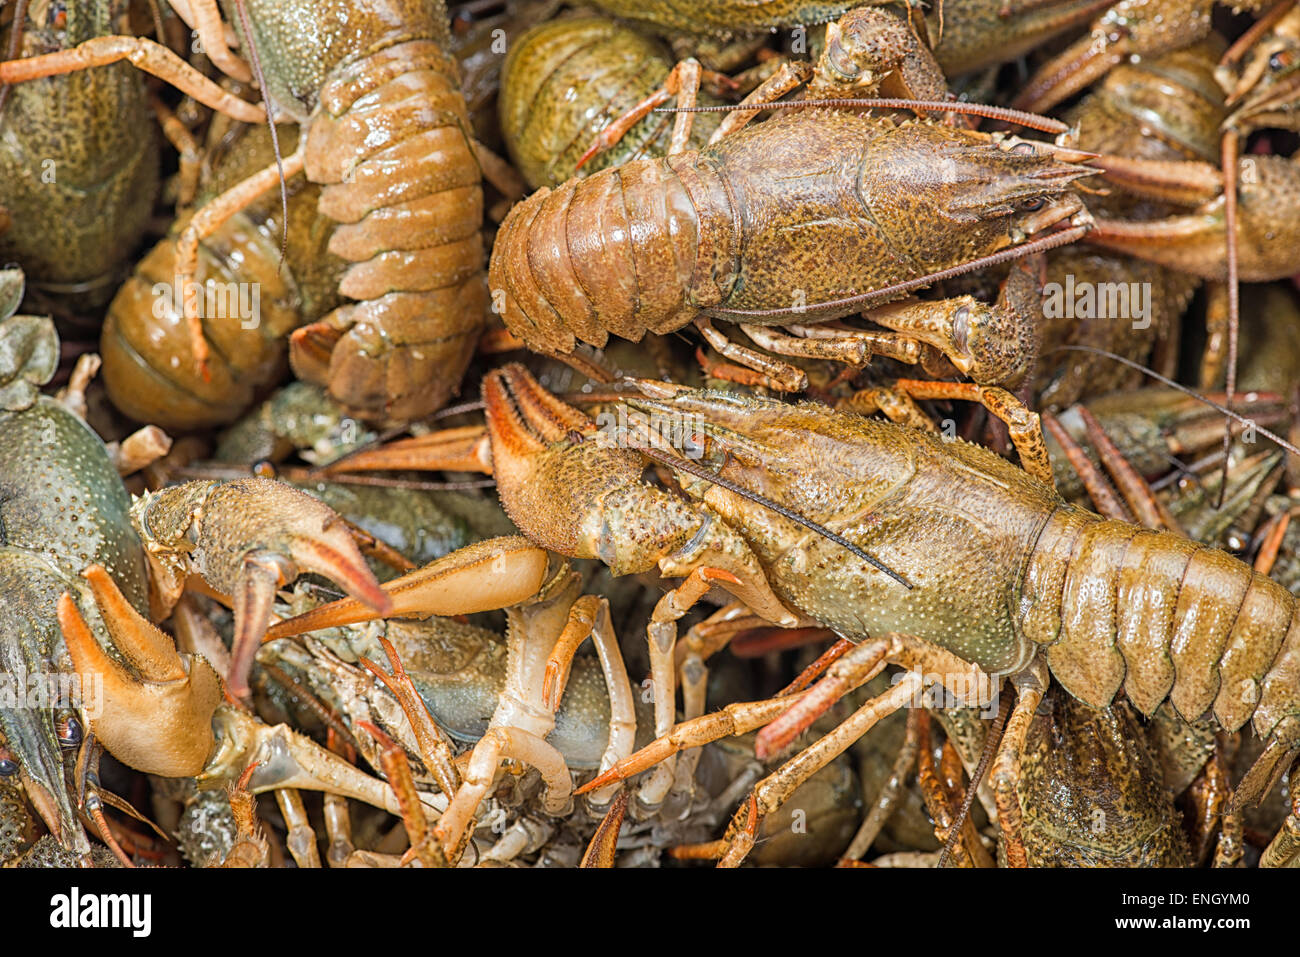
(249, 537)
(481, 577)
(160, 721)
(343, 565)
(549, 476)
(647, 757)
(512, 397)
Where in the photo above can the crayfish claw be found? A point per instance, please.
(482, 577)
(247, 538)
(159, 721)
(253, 600)
(553, 483)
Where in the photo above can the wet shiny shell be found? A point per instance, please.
(566, 80)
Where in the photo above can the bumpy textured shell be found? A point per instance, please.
(725, 16)
(1092, 792)
(78, 167)
(803, 209)
(566, 80)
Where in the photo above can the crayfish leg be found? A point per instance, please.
(771, 372)
(1030, 685)
(435, 749)
(682, 82)
(301, 839)
(1284, 849)
(661, 634)
(888, 799)
(734, 719)
(211, 217)
(771, 792)
(204, 18)
(1024, 426)
(856, 668)
(151, 57)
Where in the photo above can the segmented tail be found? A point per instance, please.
(1162, 616)
(391, 144)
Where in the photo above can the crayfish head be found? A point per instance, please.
(969, 194)
(42, 711)
(569, 486)
(41, 768)
(803, 456)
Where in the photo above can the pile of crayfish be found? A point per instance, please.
(612, 434)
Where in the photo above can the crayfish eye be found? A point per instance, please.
(1031, 205)
(8, 766)
(68, 730)
(1279, 61)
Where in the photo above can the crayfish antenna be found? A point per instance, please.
(1204, 399)
(256, 61)
(1231, 141)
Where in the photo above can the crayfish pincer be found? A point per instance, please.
(62, 505)
(247, 538)
(1004, 575)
